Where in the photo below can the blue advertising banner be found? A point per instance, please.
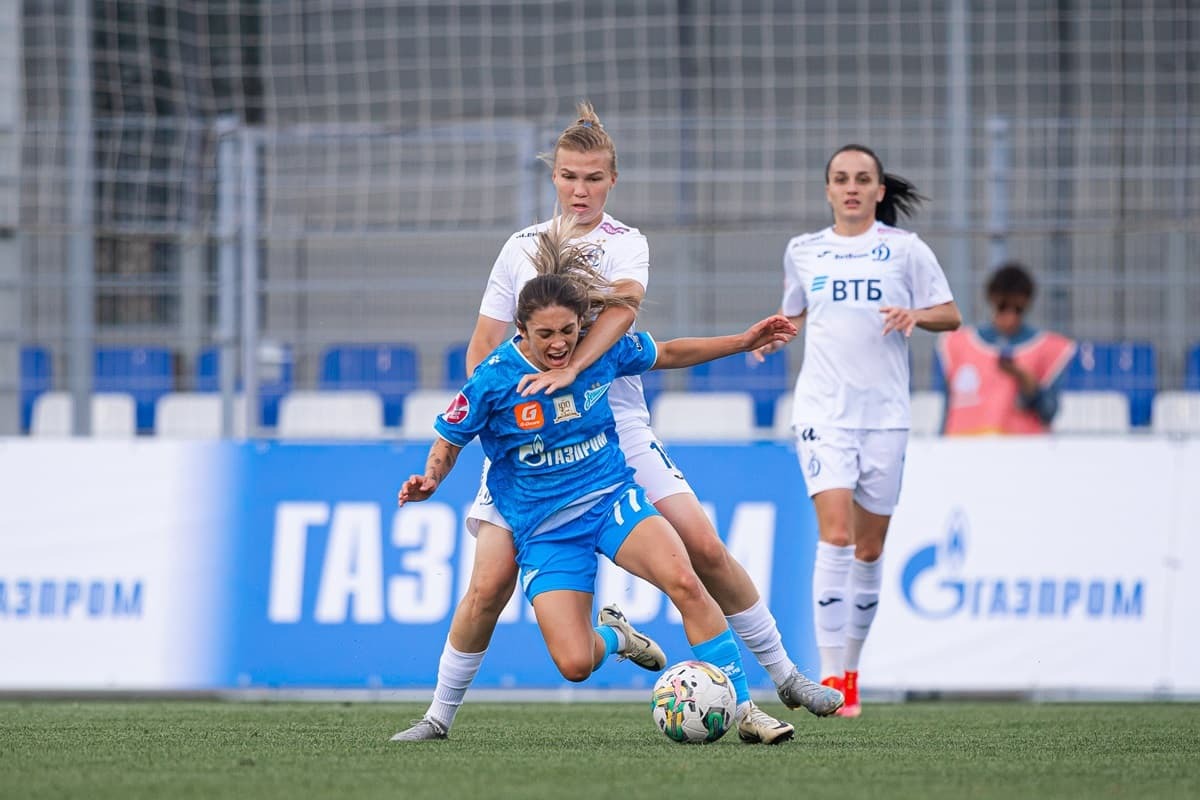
(335, 587)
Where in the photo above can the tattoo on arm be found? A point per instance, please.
(442, 457)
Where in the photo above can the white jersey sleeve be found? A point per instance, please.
(795, 297)
(509, 273)
(929, 285)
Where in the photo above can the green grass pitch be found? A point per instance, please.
(194, 749)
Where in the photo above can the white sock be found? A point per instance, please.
(866, 578)
(757, 628)
(455, 673)
(831, 579)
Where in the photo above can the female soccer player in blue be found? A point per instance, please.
(558, 474)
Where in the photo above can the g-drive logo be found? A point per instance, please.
(937, 584)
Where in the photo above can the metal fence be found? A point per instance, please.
(277, 178)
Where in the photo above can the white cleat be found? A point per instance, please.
(639, 648)
(758, 727)
(425, 729)
(800, 692)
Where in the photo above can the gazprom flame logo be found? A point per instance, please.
(929, 580)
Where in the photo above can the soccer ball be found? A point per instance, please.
(693, 703)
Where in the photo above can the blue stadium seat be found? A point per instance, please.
(1128, 367)
(740, 373)
(37, 373)
(388, 369)
(146, 373)
(455, 366)
(937, 378)
(274, 381)
(1191, 376)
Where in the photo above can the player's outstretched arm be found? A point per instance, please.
(760, 353)
(442, 457)
(687, 352)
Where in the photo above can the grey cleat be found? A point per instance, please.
(639, 648)
(425, 729)
(800, 692)
(758, 727)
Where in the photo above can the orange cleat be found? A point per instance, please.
(852, 708)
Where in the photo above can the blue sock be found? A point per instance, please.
(722, 651)
(611, 642)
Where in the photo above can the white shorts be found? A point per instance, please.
(871, 462)
(653, 470)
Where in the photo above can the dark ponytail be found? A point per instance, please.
(901, 197)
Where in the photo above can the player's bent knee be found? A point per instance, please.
(708, 556)
(685, 589)
(487, 599)
(575, 667)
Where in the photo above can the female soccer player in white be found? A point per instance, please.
(861, 285)
(584, 171)
(558, 474)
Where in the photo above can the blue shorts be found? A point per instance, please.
(565, 557)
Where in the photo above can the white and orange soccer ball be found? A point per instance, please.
(693, 703)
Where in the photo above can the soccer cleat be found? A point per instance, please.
(425, 729)
(758, 727)
(850, 687)
(639, 648)
(800, 692)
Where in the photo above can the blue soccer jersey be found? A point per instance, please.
(552, 456)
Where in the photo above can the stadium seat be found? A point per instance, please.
(703, 416)
(145, 373)
(389, 370)
(114, 415)
(196, 415)
(37, 374)
(782, 422)
(741, 373)
(1176, 412)
(1191, 375)
(927, 409)
(420, 409)
(937, 377)
(1127, 367)
(1099, 411)
(352, 414)
(455, 364)
(275, 370)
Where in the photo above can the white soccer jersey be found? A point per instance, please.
(622, 254)
(852, 375)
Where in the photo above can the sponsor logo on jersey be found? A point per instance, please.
(458, 409)
(535, 454)
(592, 253)
(615, 230)
(529, 416)
(593, 395)
(564, 408)
(819, 282)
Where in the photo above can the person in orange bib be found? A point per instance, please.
(1003, 377)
